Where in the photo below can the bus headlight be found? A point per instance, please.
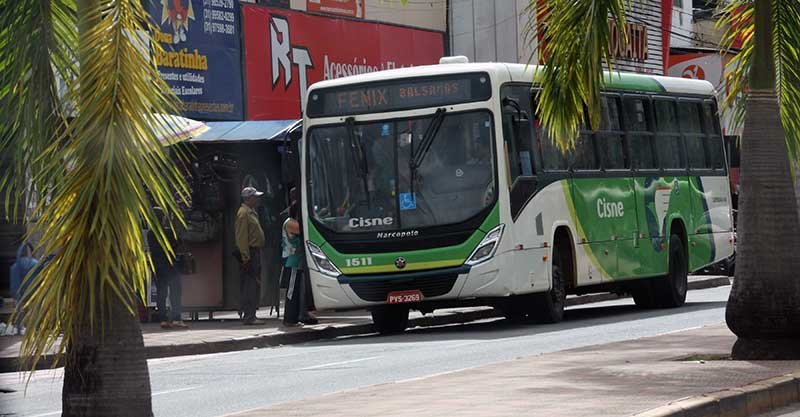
(321, 261)
(487, 247)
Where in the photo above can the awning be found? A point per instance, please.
(250, 131)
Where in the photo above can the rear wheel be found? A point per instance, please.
(390, 319)
(670, 291)
(548, 307)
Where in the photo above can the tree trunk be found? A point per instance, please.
(764, 305)
(106, 370)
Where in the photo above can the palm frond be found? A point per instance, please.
(737, 21)
(575, 48)
(737, 18)
(786, 47)
(37, 39)
(108, 170)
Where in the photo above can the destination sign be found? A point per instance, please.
(399, 95)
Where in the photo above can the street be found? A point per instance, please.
(213, 385)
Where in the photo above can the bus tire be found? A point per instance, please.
(548, 307)
(643, 294)
(516, 309)
(670, 291)
(390, 319)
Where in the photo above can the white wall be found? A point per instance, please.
(496, 30)
(682, 25)
(490, 30)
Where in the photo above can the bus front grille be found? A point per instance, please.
(432, 286)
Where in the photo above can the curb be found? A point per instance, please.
(9, 364)
(749, 400)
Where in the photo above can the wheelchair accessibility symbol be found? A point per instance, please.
(408, 201)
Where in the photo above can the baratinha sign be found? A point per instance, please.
(200, 55)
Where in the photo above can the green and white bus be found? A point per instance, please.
(435, 186)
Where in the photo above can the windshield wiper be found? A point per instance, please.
(357, 149)
(425, 144)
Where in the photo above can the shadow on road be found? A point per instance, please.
(499, 328)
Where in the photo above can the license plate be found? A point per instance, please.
(400, 297)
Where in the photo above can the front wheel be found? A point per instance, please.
(548, 307)
(390, 319)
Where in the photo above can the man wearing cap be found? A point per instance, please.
(249, 241)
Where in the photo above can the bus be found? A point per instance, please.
(436, 186)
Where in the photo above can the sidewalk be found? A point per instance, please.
(227, 334)
(648, 377)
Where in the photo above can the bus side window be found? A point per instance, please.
(583, 157)
(552, 158)
(715, 144)
(691, 120)
(640, 133)
(517, 131)
(669, 142)
(610, 137)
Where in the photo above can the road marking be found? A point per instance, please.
(172, 391)
(337, 363)
(54, 413)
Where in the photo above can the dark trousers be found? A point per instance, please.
(168, 283)
(250, 286)
(295, 308)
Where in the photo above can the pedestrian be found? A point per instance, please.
(20, 281)
(166, 276)
(295, 307)
(249, 243)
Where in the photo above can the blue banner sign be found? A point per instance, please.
(201, 57)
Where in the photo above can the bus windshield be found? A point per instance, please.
(360, 174)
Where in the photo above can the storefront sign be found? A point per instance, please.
(636, 47)
(201, 57)
(351, 8)
(286, 51)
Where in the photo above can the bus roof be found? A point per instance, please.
(524, 73)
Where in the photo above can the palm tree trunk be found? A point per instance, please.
(106, 370)
(764, 305)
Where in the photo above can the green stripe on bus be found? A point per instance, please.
(629, 82)
(633, 82)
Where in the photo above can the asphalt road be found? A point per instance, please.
(213, 385)
(790, 411)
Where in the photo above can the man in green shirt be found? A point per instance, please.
(249, 242)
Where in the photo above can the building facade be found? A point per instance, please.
(508, 31)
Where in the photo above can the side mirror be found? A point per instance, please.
(512, 109)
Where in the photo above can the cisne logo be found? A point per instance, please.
(285, 55)
(609, 209)
(360, 222)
